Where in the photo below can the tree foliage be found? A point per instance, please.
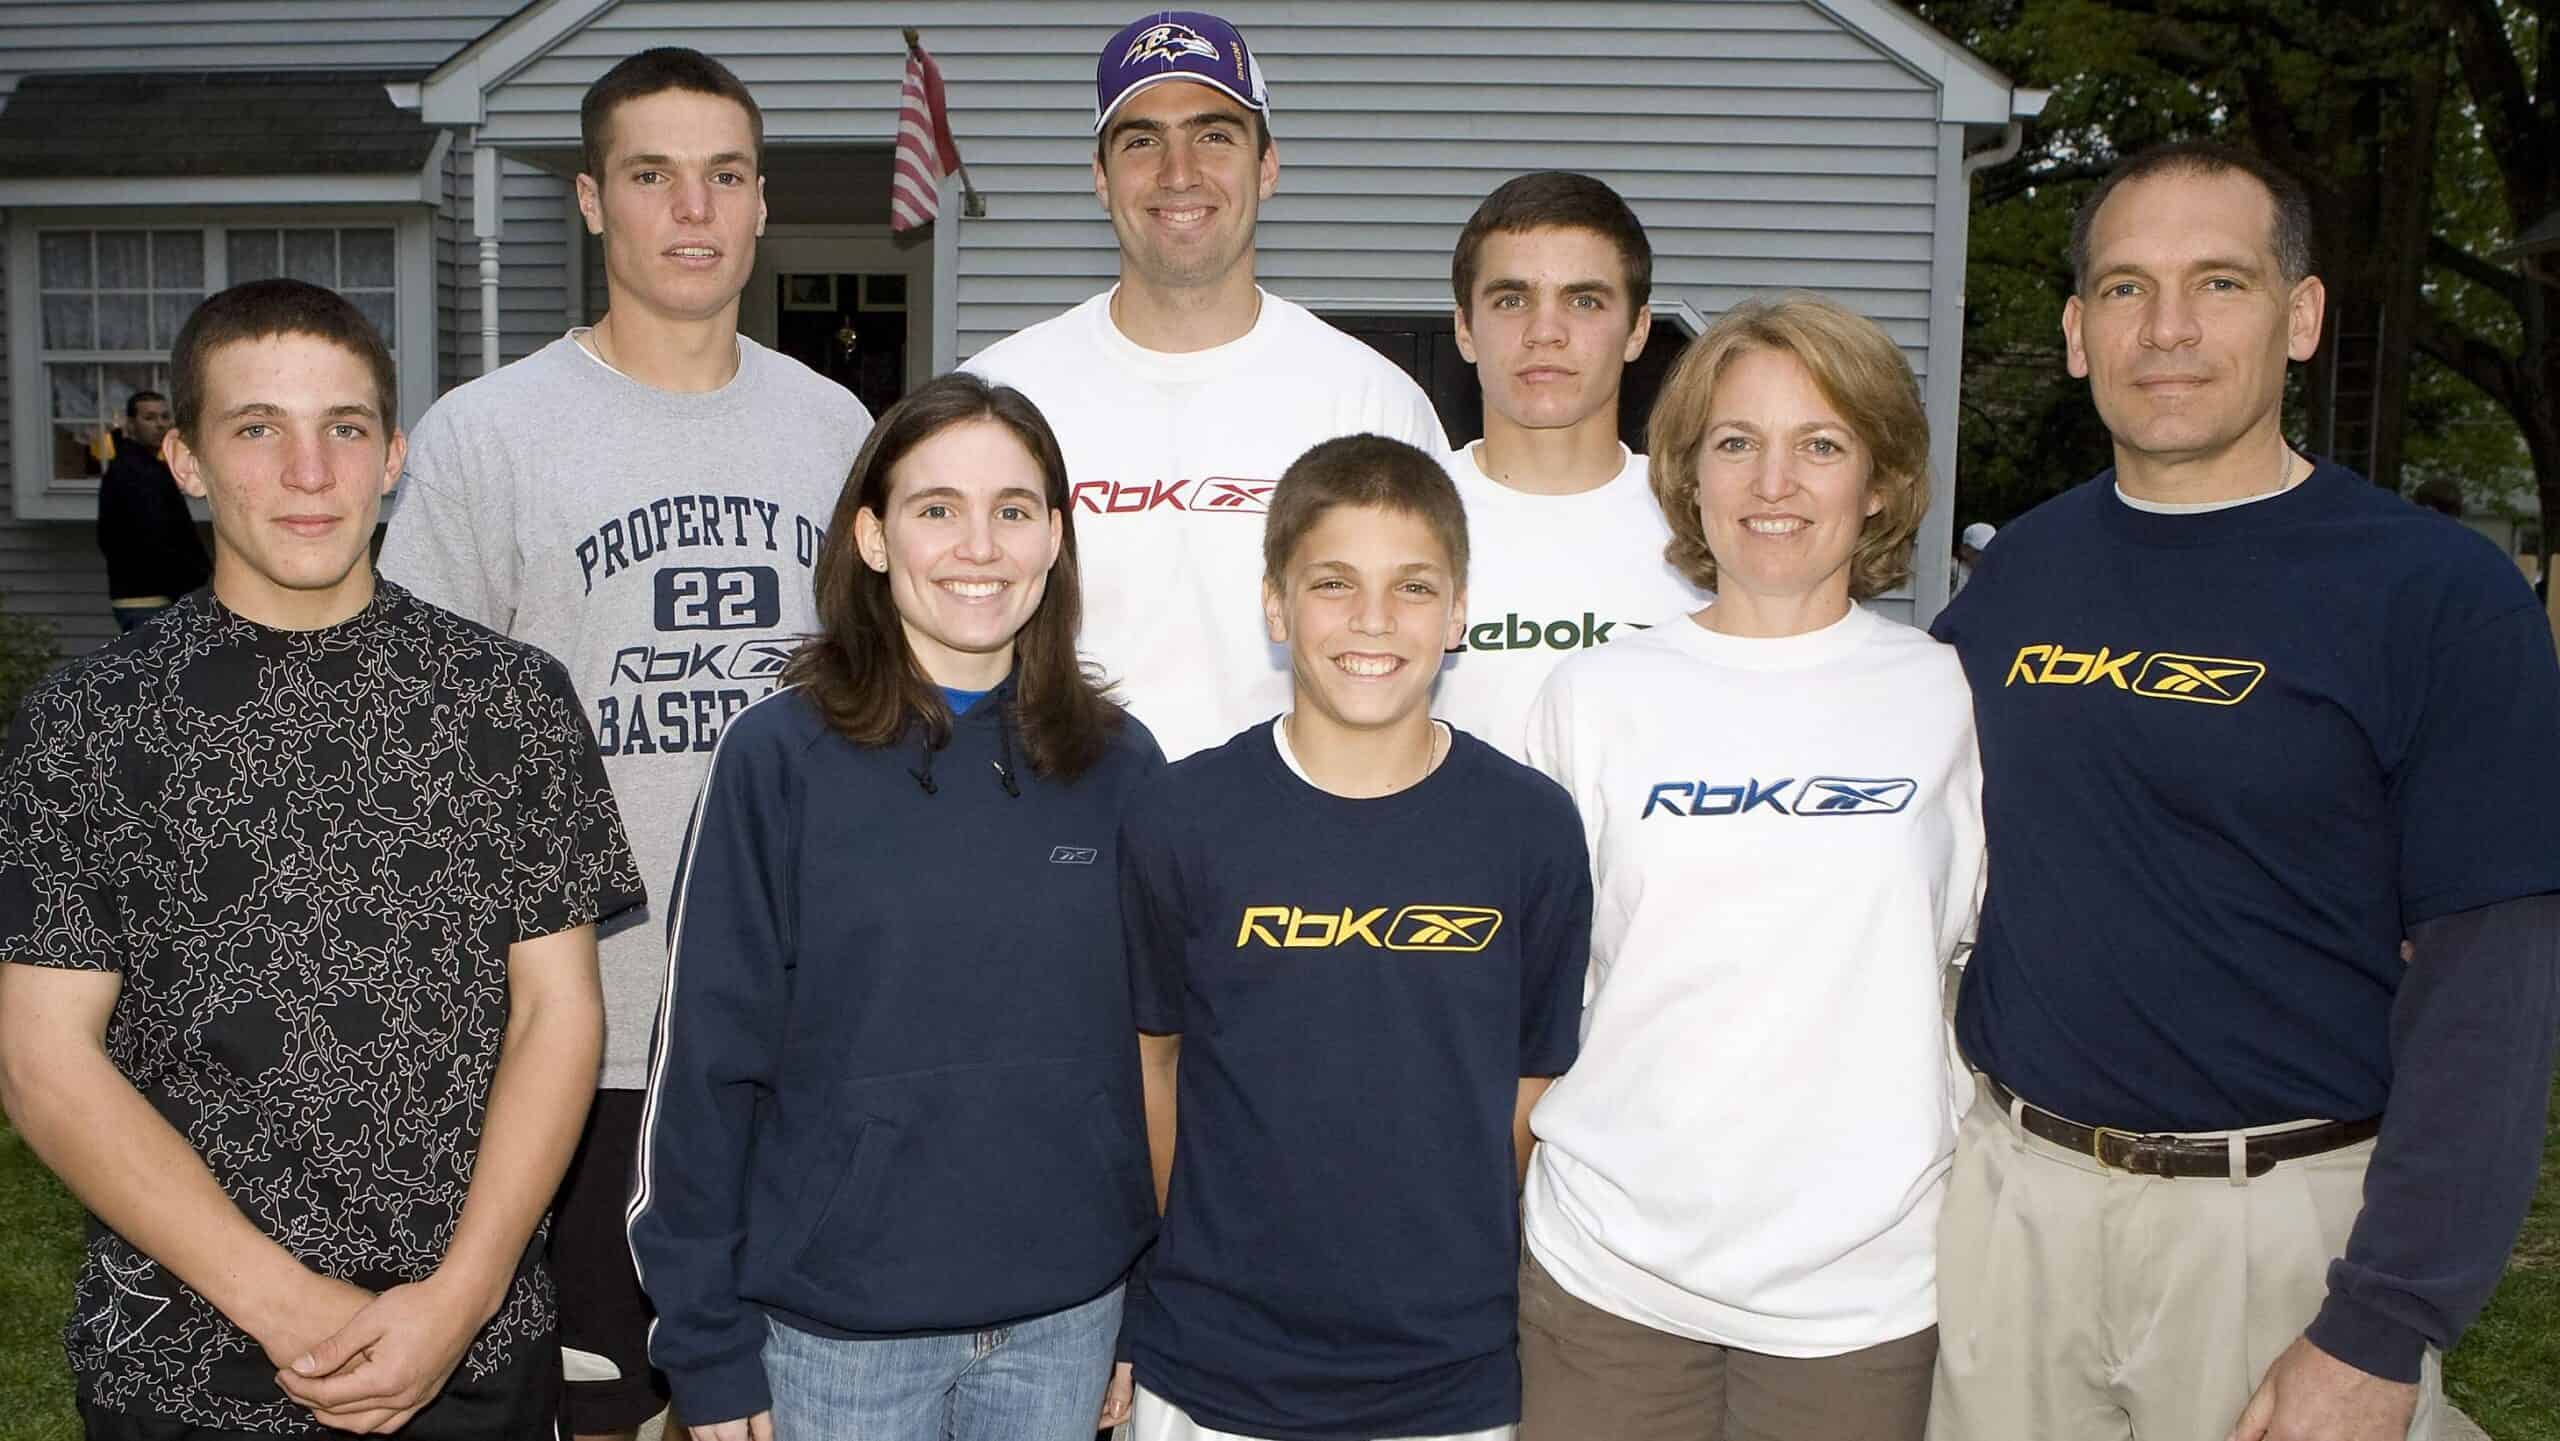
(2430, 370)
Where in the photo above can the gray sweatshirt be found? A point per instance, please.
(661, 545)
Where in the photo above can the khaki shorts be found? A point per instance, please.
(1587, 1374)
(2076, 1303)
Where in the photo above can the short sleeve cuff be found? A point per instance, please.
(2367, 1339)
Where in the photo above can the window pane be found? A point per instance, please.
(121, 382)
(124, 260)
(376, 305)
(312, 255)
(366, 257)
(72, 456)
(168, 312)
(66, 259)
(253, 255)
(69, 323)
(75, 391)
(124, 322)
(177, 259)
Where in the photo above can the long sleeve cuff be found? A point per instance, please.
(2367, 1339)
(729, 1390)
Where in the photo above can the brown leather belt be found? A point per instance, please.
(2141, 1154)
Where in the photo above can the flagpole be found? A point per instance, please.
(972, 204)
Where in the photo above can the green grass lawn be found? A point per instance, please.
(2506, 1374)
(39, 1250)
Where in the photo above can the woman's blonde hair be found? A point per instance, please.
(1858, 369)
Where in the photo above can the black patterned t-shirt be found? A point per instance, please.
(307, 853)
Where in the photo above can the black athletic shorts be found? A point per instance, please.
(602, 1309)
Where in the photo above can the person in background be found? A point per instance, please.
(1180, 393)
(1552, 276)
(145, 530)
(661, 547)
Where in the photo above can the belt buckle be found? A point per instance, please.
(2098, 1146)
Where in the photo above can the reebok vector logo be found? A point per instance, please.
(1215, 494)
(2161, 675)
(1820, 796)
(1414, 928)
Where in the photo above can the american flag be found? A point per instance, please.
(926, 151)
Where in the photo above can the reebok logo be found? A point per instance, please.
(1818, 797)
(2162, 675)
(1516, 632)
(1218, 494)
(1074, 855)
(1415, 928)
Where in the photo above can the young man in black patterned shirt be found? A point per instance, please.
(299, 886)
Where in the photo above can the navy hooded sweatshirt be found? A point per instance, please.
(895, 1083)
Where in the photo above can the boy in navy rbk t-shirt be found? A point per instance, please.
(1357, 937)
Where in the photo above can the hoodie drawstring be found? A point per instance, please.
(1003, 765)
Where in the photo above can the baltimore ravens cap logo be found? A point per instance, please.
(1176, 45)
(1167, 42)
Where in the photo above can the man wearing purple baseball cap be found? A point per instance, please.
(1182, 392)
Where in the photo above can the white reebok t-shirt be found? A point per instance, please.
(1786, 836)
(1549, 576)
(1171, 459)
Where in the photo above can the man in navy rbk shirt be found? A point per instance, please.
(1357, 938)
(2236, 1167)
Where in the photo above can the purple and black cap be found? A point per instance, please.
(1176, 45)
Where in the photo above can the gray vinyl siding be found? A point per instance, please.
(50, 570)
(536, 212)
(239, 34)
(1789, 152)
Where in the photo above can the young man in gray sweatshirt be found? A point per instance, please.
(644, 499)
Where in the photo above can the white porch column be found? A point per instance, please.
(484, 224)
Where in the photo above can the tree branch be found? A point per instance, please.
(2496, 279)
(2467, 355)
(2499, 94)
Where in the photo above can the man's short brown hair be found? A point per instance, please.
(1858, 368)
(1362, 470)
(2289, 233)
(257, 309)
(668, 67)
(1555, 200)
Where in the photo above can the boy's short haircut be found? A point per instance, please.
(1864, 375)
(133, 402)
(636, 77)
(257, 309)
(1555, 200)
(1362, 470)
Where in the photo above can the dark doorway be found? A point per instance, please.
(1426, 348)
(851, 329)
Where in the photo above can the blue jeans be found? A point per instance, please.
(1035, 1380)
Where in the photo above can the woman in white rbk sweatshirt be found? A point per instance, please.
(1732, 1209)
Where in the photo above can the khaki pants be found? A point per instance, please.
(1590, 1375)
(2077, 1303)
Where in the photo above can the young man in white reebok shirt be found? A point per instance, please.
(1180, 394)
(1552, 275)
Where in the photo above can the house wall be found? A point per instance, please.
(536, 212)
(239, 34)
(1772, 148)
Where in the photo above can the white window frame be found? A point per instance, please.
(39, 494)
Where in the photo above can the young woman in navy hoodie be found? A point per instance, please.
(893, 1166)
